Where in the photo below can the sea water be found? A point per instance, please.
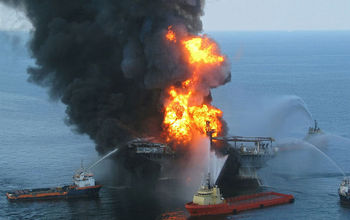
(277, 78)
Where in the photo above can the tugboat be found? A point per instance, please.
(314, 130)
(209, 201)
(84, 186)
(344, 191)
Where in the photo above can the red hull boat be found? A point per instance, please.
(240, 203)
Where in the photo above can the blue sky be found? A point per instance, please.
(248, 15)
(277, 15)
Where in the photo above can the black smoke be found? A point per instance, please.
(108, 61)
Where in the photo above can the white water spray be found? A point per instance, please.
(202, 161)
(272, 116)
(298, 142)
(215, 165)
(328, 158)
(104, 157)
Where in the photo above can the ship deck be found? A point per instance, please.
(256, 198)
(259, 200)
(240, 203)
(37, 190)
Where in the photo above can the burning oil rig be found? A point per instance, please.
(246, 155)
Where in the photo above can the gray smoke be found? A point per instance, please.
(109, 62)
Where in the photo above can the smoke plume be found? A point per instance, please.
(109, 63)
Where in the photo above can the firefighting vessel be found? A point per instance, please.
(343, 191)
(209, 201)
(314, 130)
(84, 186)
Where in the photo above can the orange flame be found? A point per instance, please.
(171, 35)
(183, 118)
(202, 50)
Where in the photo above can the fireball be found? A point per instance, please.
(183, 118)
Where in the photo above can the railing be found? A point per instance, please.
(244, 139)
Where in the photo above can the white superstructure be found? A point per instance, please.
(83, 178)
(344, 187)
(208, 194)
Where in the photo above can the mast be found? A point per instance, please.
(315, 125)
(209, 132)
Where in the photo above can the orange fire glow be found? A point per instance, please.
(202, 50)
(183, 118)
(170, 36)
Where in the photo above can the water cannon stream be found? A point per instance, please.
(324, 155)
(104, 157)
(329, 159)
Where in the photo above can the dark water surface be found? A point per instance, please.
(276, 78)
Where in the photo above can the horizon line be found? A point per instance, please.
(274, 30)
(225, 30)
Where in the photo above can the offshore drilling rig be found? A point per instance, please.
(252, 154)
(246, 155)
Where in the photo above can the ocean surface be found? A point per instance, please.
(281, 82)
